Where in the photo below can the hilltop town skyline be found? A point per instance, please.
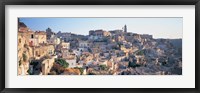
(101, 52)
(168, 28)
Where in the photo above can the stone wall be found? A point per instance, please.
(24, 54)
(43, 50)
(47, 64)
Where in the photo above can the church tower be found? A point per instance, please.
(125, 28)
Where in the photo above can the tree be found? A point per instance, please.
(80, 69)
(29, 72)
(62, 62)
(103, 67)
(140, 52)
(57, 68)
(133, 64)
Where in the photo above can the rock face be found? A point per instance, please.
(24, 53)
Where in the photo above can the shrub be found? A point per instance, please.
(133, 64)
(25, 45)
(20, 62)
(140, 53)
(103, 67)
(29, 72)
(24, 57)
(80, 69)
(57, 68)
(62, 62)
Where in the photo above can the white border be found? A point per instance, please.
(187, 80)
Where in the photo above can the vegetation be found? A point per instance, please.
(24, 57)
(57, 68)
(29, 72)
(25, 45)
(80, 69)
(164, 63)
(20, 62)
(90, 50)
(70, 50)
(140, 52)
(120, 45)
(133, 64)
(103, 67)
(115, 47)
(34, 64)
(62, 62)
(126, 59)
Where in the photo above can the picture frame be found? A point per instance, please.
(98, 2)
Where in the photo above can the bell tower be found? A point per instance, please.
(125, 28)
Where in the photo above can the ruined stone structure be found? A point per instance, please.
(47, 64)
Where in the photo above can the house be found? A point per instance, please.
(47, 64)
(54, 40)
(65, 45)
(99, 33)
(43, 50)
(71, 59)
(83, 44)
(41, 37)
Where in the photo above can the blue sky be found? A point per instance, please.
(158, 27)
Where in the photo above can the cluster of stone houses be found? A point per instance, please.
(33, 45)
(116, 52)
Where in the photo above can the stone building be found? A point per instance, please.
(86, 57)
(65, 45)
(116, 32)
(43, 50)
(54, 40)
(125, 28)
(71, 59)
(28, 37)
(24, 52)
(47, 64)
(33, 38)
(64, 36)
(100, 33)
(41, 36)
(83, 44)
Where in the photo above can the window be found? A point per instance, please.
(19, 40)
(32, 36)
